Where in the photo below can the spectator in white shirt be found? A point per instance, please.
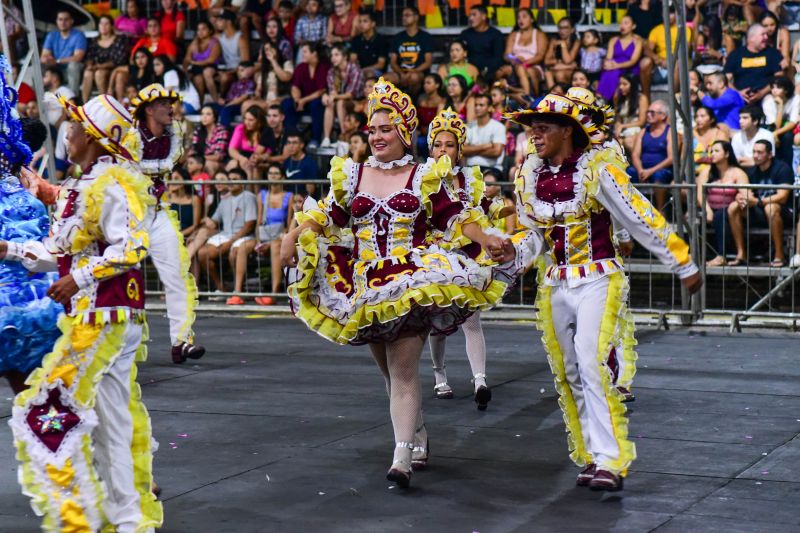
(486, 137)
(781, 108)
(750, 118)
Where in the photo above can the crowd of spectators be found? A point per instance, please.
(272, 88)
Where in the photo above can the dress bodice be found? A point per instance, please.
(390, 226)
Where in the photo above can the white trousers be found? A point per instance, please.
(171, 260)
(113, 437)
(580, 326)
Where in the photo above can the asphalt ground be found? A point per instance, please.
(277, 430)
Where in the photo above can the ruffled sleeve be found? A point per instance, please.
(334, 209)
(445, 212)
(475, 185)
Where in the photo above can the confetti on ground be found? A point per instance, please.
(541, 391)
(759, 483)
(268, 478)
(516, 435)
(354, 492)
(748, 436)
(765, 472)
(765, 453)
(183, 435)
(243, 361)
(321, 493)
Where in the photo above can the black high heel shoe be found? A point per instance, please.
(483, 394)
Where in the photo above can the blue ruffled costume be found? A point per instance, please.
(28, 316)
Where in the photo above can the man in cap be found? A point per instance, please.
(81, 430)
(569, 189)
(156, 141)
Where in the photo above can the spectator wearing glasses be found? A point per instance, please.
(368, 50)
(767, 208)
(342, 27)
(562, 54)
(65, 48)
(486, 43)
(410, 55)
(652, 152)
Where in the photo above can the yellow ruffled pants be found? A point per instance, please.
(580, 326)
(83, 435)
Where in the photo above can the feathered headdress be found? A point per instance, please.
(12, 146)
(402, 113)
(448, 120)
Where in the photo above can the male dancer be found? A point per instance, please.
(568, 190)
(82, 433)
(156, 142)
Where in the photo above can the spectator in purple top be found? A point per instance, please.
(202, 57)
(724, 101)
(309, 83)
(66, 48)
(345, 83)
(133, 23)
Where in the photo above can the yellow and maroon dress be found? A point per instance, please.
(384, 276)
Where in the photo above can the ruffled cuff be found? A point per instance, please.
(454, 232)
(83, 276)
(315, 215)
(687, 270)
(15, 251)
(43, 260)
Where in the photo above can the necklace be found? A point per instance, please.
(388, 165)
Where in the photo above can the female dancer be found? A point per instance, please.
(446, 137)
(28, 317)
(392, 288)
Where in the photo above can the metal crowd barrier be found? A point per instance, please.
(754, 293)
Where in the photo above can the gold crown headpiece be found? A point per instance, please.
(448, 120)
(402, 113)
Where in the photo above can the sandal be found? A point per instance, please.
(717, 261)
(264, 300)
(443, 391)
(400, 471)
(421, 449)
(234, 300)
(777, 263)
(738, 261)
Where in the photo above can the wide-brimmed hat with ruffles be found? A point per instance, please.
(151, 93)
(104, 118)
(578, 106)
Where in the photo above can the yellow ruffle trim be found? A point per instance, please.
(105, 343)
(478, 186)
(342, 333)
(544, 322)
(616, 331)
(190, 285)
(93, 198)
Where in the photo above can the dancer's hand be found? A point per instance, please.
(289, 250)
(3, 249)
(626, 248)
(509, 252)
(63, 290)
(493, 246)
(693, 282)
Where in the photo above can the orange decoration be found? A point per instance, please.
(426, 7)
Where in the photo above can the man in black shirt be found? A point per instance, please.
(750, 68)
(410, 55)
(767, 208)
(486, 44)
(274, 137)
(368, 49)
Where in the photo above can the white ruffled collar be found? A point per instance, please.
(388, 165)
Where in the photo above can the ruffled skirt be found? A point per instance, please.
(357, 302)
(28, 318)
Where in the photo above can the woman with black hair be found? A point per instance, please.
(562, 53)
(210, 139)
(526, 47)
(138, 73)
(459, 98)
(630, 107)
(779, 37)
(781, 108)
(202, 57)
(273, 74)
(173, 78)
(106, 51)
(719, 202)
(459, 63)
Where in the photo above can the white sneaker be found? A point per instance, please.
(326, 143)
(795, 262)
(217, 297)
